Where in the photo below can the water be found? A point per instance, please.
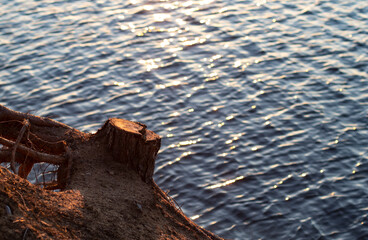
(262, 105)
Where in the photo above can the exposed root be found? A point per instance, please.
(50, 185)
(8, 114)
(20, 136)
(28, 146)
(5, 155)
(54, 147)
(25, 168)
(37, 156)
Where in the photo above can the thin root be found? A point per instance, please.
(15, 146)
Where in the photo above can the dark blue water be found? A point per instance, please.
(262, 105)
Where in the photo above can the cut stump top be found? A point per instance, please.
(134, 128)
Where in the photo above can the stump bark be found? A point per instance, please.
(132, 144)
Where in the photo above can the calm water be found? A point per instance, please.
(262, 105)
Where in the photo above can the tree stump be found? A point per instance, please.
(132, 144)
(100, 177)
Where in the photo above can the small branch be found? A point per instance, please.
(37, 156)
(20, 136)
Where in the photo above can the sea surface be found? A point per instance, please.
(262, 105)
